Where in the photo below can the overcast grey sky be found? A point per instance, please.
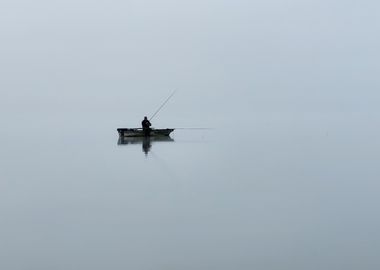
(226, 57)
(297, 188)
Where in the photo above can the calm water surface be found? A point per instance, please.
(285, 192)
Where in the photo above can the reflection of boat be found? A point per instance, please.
(138, 132)
(146, 142)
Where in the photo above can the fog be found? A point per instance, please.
(224, 56)
(285, 179)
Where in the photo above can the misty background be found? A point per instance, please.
(287, 179)
(225, 57)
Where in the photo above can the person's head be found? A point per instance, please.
(145, 118)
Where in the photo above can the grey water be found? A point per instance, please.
(287, 176)
(286, 192)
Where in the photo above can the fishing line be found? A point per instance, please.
(163, 104)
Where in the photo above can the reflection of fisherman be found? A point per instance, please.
(146, 126)
(146, 145)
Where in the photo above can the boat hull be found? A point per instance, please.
(138, 132)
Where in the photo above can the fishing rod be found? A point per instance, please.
(163, 104)
(194, 128)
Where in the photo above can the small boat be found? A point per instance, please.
(138, 132)
(143, 140)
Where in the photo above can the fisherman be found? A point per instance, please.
(146, 126)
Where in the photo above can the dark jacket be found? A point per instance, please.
(145, 124)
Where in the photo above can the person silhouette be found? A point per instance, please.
(146, 126)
